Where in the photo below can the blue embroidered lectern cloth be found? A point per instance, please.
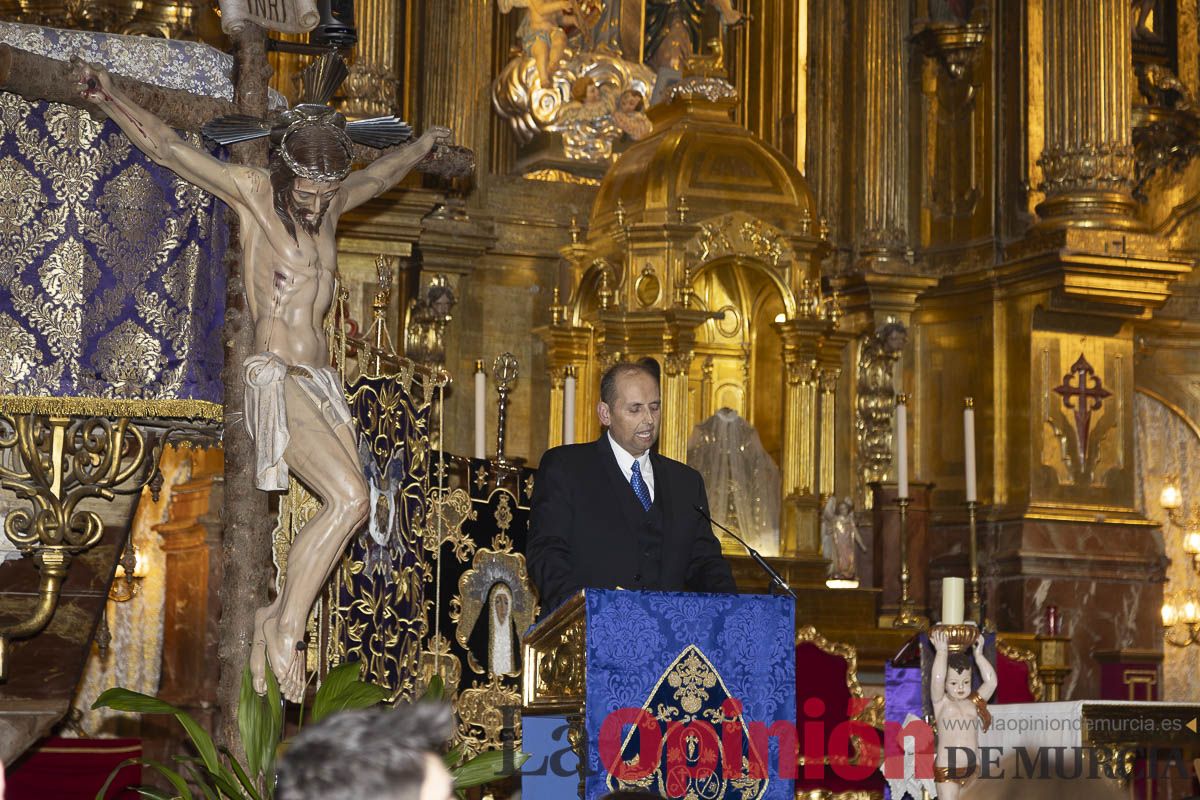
(679, 658)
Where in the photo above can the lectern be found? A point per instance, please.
(677, 694)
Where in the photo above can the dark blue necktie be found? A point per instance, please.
(639, 486)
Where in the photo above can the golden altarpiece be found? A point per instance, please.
(994, 200)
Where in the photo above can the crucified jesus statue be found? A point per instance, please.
(296, 411)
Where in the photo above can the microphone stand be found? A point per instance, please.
(777, 581)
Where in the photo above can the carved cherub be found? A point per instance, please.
(960, 713)
(630, 115)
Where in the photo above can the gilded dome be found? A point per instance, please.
(699, 154)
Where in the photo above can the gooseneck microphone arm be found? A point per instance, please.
(777, 581)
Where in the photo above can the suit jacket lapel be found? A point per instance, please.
(631, 507)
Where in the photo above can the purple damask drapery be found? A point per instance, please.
(112, 274)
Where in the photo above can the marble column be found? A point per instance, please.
(882, 90)
(1087, 161)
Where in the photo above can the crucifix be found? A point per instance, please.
(1082, 398)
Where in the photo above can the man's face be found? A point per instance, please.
(958, 684)
(438, 784)
(633, 417)
(310, 200)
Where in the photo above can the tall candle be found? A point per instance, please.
(480, 410)
(969, 447)
(952, 601)
(902, 444)
(568, 436)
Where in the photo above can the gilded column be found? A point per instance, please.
(798, 534)
(826, 100)
(1087, 160)
(676, 425)
(456, 71)
(772, 52)
(825, 476)
(371, 87)
(883, 133)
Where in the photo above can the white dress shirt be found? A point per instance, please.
(625, 462)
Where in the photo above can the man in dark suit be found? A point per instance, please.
(612, 513)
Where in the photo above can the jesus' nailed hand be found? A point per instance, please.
(287, 216)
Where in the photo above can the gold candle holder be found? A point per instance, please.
(975, 610)
(958, 637)
(906, 617)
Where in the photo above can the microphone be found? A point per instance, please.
(777, 580)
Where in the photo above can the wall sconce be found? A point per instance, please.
(1181, 618)
(127, 580)
(1191, 542)
(1171, 498)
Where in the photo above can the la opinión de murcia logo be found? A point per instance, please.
(852, 750)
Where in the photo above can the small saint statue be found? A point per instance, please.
(960, 713)
(839, 537)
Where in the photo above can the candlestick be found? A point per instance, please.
(952, 601)
(504, 373)
(902, 444)
(976, 608)
(906, 617)
(568, 435)
(480, 410)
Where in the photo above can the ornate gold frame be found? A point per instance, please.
(873, 713)
(1030, 660)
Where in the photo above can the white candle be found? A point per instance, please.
(969, 448)
(952, 601)
(902, 445)
(568, 436)
(480, 411)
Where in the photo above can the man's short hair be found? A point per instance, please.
(608, 382)
(376, 753)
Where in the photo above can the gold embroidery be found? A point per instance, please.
(18, 352)
(129, 358)
(20, 196)
(475, 586)
(691, 679)
(110, 407)
(136, 232)
(480, 708)
(504, 515)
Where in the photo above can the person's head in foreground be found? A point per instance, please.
(377, 754)
(629, 406)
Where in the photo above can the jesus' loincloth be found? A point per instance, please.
(266, 410)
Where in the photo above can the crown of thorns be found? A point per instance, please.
(320, 81)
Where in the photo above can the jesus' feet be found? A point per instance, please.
(273, 648)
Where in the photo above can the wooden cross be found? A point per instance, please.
(1082, 399)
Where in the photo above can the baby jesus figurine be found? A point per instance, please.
(959, 712)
